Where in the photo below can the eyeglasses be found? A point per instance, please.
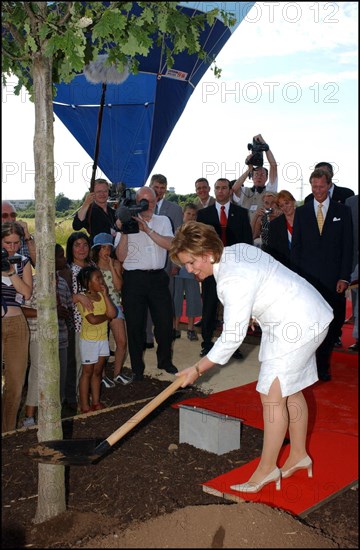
(5, 215)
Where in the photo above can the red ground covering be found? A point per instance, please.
(332, 440)
(335, 467)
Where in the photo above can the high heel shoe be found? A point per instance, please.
(252, 487)
(304, 463)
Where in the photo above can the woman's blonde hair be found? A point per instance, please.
(196, 238)
(285, 195)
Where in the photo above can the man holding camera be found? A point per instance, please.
(95, 214)
(251, 197)
(146, 284)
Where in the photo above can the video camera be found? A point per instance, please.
(128, 208)
(7, 260)
(257, 148)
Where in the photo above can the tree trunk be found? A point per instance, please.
(51, 483)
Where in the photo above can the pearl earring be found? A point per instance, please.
(212, 261)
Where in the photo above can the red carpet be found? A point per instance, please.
(333, 406)
(332, 439)
(335, 468)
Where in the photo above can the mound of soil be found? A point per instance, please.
(146, 492)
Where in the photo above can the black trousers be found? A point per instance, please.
(210, 303)
(323, 353)
(143, 291)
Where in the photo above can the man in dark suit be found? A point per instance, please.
(321, 252)
(353, 204)
(337, 194)
(235, 228)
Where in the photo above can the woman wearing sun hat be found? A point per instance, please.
(102, 254)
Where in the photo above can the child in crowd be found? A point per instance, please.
(185, 283)
(94, 344)
(64, 311)
(102, 255)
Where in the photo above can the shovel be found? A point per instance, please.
(72, 452)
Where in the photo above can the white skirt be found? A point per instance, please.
(296, 370)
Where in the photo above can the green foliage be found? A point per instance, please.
(73, 33)
(62, 203)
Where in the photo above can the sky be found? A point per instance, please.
(289, 72)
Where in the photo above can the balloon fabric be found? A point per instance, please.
(139, 114)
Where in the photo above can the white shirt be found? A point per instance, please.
(143, 252)
(218, 208)
(325, 206)
(158, 206)
(252, 199)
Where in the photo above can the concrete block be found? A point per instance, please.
(210, 431)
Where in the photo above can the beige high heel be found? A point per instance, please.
(304, 463)
(252, 487)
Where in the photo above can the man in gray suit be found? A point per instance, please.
(173, 211)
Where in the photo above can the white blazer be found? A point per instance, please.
(289, 310)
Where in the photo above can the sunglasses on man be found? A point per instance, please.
(5, 215)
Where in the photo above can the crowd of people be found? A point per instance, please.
(244, 253)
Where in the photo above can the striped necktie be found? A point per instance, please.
(320, 218)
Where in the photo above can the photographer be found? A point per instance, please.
(16, 285)
(96, 215)
(27, 248)
(146, 283)
(262, 217)
(250, 197)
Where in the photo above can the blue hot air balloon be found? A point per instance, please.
(124, 126)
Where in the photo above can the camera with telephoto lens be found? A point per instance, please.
(128, 208)
(7, 260)
(257, 148)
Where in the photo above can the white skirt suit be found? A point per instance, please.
(292, 314)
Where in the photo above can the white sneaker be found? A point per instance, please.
(29, 421)
(107, 382)
(122, 379)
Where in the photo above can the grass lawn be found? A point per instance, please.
(63, 228)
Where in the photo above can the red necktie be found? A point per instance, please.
(223, 222)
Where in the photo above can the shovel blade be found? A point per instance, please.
(68, 452)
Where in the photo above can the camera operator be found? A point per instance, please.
(27, 248)
(250, 197)
(96, 215)
(16, 285)
(146, 283)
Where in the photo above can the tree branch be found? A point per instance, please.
(30, 13)
(67, 14)
(14, 57)
(14, 33)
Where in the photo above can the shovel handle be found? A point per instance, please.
(145, 411)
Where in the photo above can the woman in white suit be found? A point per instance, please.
(294, 320)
